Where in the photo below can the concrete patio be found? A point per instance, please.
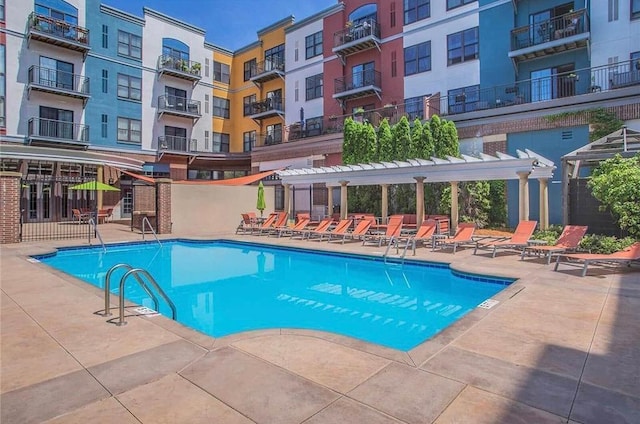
(556, 348)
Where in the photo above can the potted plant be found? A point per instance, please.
(195, 68)
(184, 65)
(359, 111)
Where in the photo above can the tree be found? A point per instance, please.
(428, 147)
(349, 141)
(435, 124)
(385, 143)
(370, 143)
(416, 146)
(616, 184)
(402, 139)
(450, 143)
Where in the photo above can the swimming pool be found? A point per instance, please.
(223, 287)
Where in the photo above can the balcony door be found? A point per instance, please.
(363, 74)
(56, 123)
(553, 83)
(56, 73)
(176, 98)
(176, 138)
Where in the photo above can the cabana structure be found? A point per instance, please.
(527, 165)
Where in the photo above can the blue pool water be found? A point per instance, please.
(222, 287)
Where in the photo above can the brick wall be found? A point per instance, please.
(10, 207)
(163, 214)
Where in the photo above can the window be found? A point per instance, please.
(296, 91)
(129, 45)
(206, 103)
(463, 99)
(129, 130)
(363, 75)
(416, 10)
(613, 10)
(296, 52)
(367, 12)
(206, 67)
(2, 86)
(70, 18)
(417, 58)
(635, 56)
(552, 83)
(274, 134)
(105, 37)
(56, 123)
(248, 140)
(220, 107)
(247, 104)
(104, 126)
(313, 45)
(463, 46)
(635, 9)
(105, 81)
(249, 69)
(274, 99)
(220, 142)
(56, 73)
(274, 58)
(314, 87)
(452, 4)
(174, 52)
(129, 87)
(206, 140)
(221, 72)
(394, 64)
(414, 107)
(392, 14)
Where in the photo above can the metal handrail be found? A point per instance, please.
(92, 223)
(136, 272)
(146, 220)
(107, 288)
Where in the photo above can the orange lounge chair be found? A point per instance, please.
(247, 225)
(300, 226)
(568, 240)
(628, 255)
(361, 230)
(394, 228)
(279, 224)
(80, 216)
(340, 229)
(463, 235)
(519, 239)
(267, 224)
(424, 234)
(321, 228)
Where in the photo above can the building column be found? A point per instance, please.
(99, 194)
(163, 212)
(544, 203)
(287, 198)
(10, 207)
(385, 202)
(523, 196)
(419, 200)
(343, 199)
(329, 200)
(454, 206)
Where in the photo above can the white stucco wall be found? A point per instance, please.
(618, 38)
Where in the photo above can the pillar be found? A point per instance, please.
(544, 203)
(419, 200)
(343, 199)
(454, 206)
(99, 194)
(523, 196)
(163, 208)
(329, 201)
(287, 198)
(10, 207)
(385, 202)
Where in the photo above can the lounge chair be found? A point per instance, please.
(80, 216)
(267, 224)
(424, 234)
(463, 235)
(626, 256)
(394, 228)
(339, 230)
(247, 225)
(519, 239)
(279, 224)
(321, 228)
(360, 232)
(300, 226)
(568, 240)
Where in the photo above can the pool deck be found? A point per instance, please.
(557, 348)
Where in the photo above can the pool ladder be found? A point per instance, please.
(137, 273)
(394, 241)
(147, 223)
(92, 224)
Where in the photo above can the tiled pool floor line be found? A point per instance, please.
(556, 348)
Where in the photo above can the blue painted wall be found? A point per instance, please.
(100, 59)
(496, 24)
(527, 7)
(552, 144)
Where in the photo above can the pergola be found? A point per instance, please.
(525, 166)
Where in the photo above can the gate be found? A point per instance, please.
(584, 210)
(51, 211)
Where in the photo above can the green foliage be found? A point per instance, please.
(616, 184)
(604, 244)
(603, 123)
(427, 143)
(498, 199)
(450, 143)
(370, 143)
(348, 145)
(436, 126)
(416, 147)
(549, 235)
(402, 138)
(386, 151)
(474, 204)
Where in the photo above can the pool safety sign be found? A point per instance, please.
(488, 304)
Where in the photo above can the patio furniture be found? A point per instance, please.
(361, 230)
(519, 240)
(320, 228)
(464, 235)
(393, 230)
(568, 240)
(267, 224)
(339, 230)
(247, 224)
(279, 224)
(80, 216)
(425, 233)
(625, 256)
(300, 226)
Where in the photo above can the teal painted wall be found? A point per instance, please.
(496, 24)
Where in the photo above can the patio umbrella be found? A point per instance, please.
(94, 186)
(260, 204)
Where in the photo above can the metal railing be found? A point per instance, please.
(94, 226)
(173, 63)
(137, 272)
(53, 78)
(266, 105)
(58, 28)
(177, 144)
(268, 65)
(147, 223)
(556, 28)
(268, 139)
(358, 80)
(179, 104)
(367, 28)
(62, 130)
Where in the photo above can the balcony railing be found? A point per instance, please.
(356, 38)
(58, 82)
(180, 68)
(177, 144)
(269, 139)
(49, 30)
(358, 84)
(267, 70)
(266, 108)
(179, 106)
(57, 131)
(558, 28)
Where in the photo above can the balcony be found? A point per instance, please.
(357, 85)
(179, 68)
(355, 39)
(267, 70)
(557, 35)
(58, 82)
(269, 139)
(267, 108)
(179, 106)
(45, 131)
(59, 33)
(175, 144)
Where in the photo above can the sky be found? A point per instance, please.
(230, 24)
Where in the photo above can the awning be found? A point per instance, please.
(246, 180)
(138, 176)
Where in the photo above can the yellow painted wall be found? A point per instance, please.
(221, 125)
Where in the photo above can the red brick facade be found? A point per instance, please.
(10, 207)
(163, 214)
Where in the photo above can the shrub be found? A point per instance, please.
(549, 235)
(596, 243)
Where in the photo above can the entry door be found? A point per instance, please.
(37, 198)
(127, 202)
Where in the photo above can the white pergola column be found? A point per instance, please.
(454, 205)
(329, 200)
(544, 203)
(99, 192)
(523, 196)
(419, 200)
(287, 197)
(385, 202)
(343, 199)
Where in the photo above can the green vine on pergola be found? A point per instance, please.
(604, 121)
